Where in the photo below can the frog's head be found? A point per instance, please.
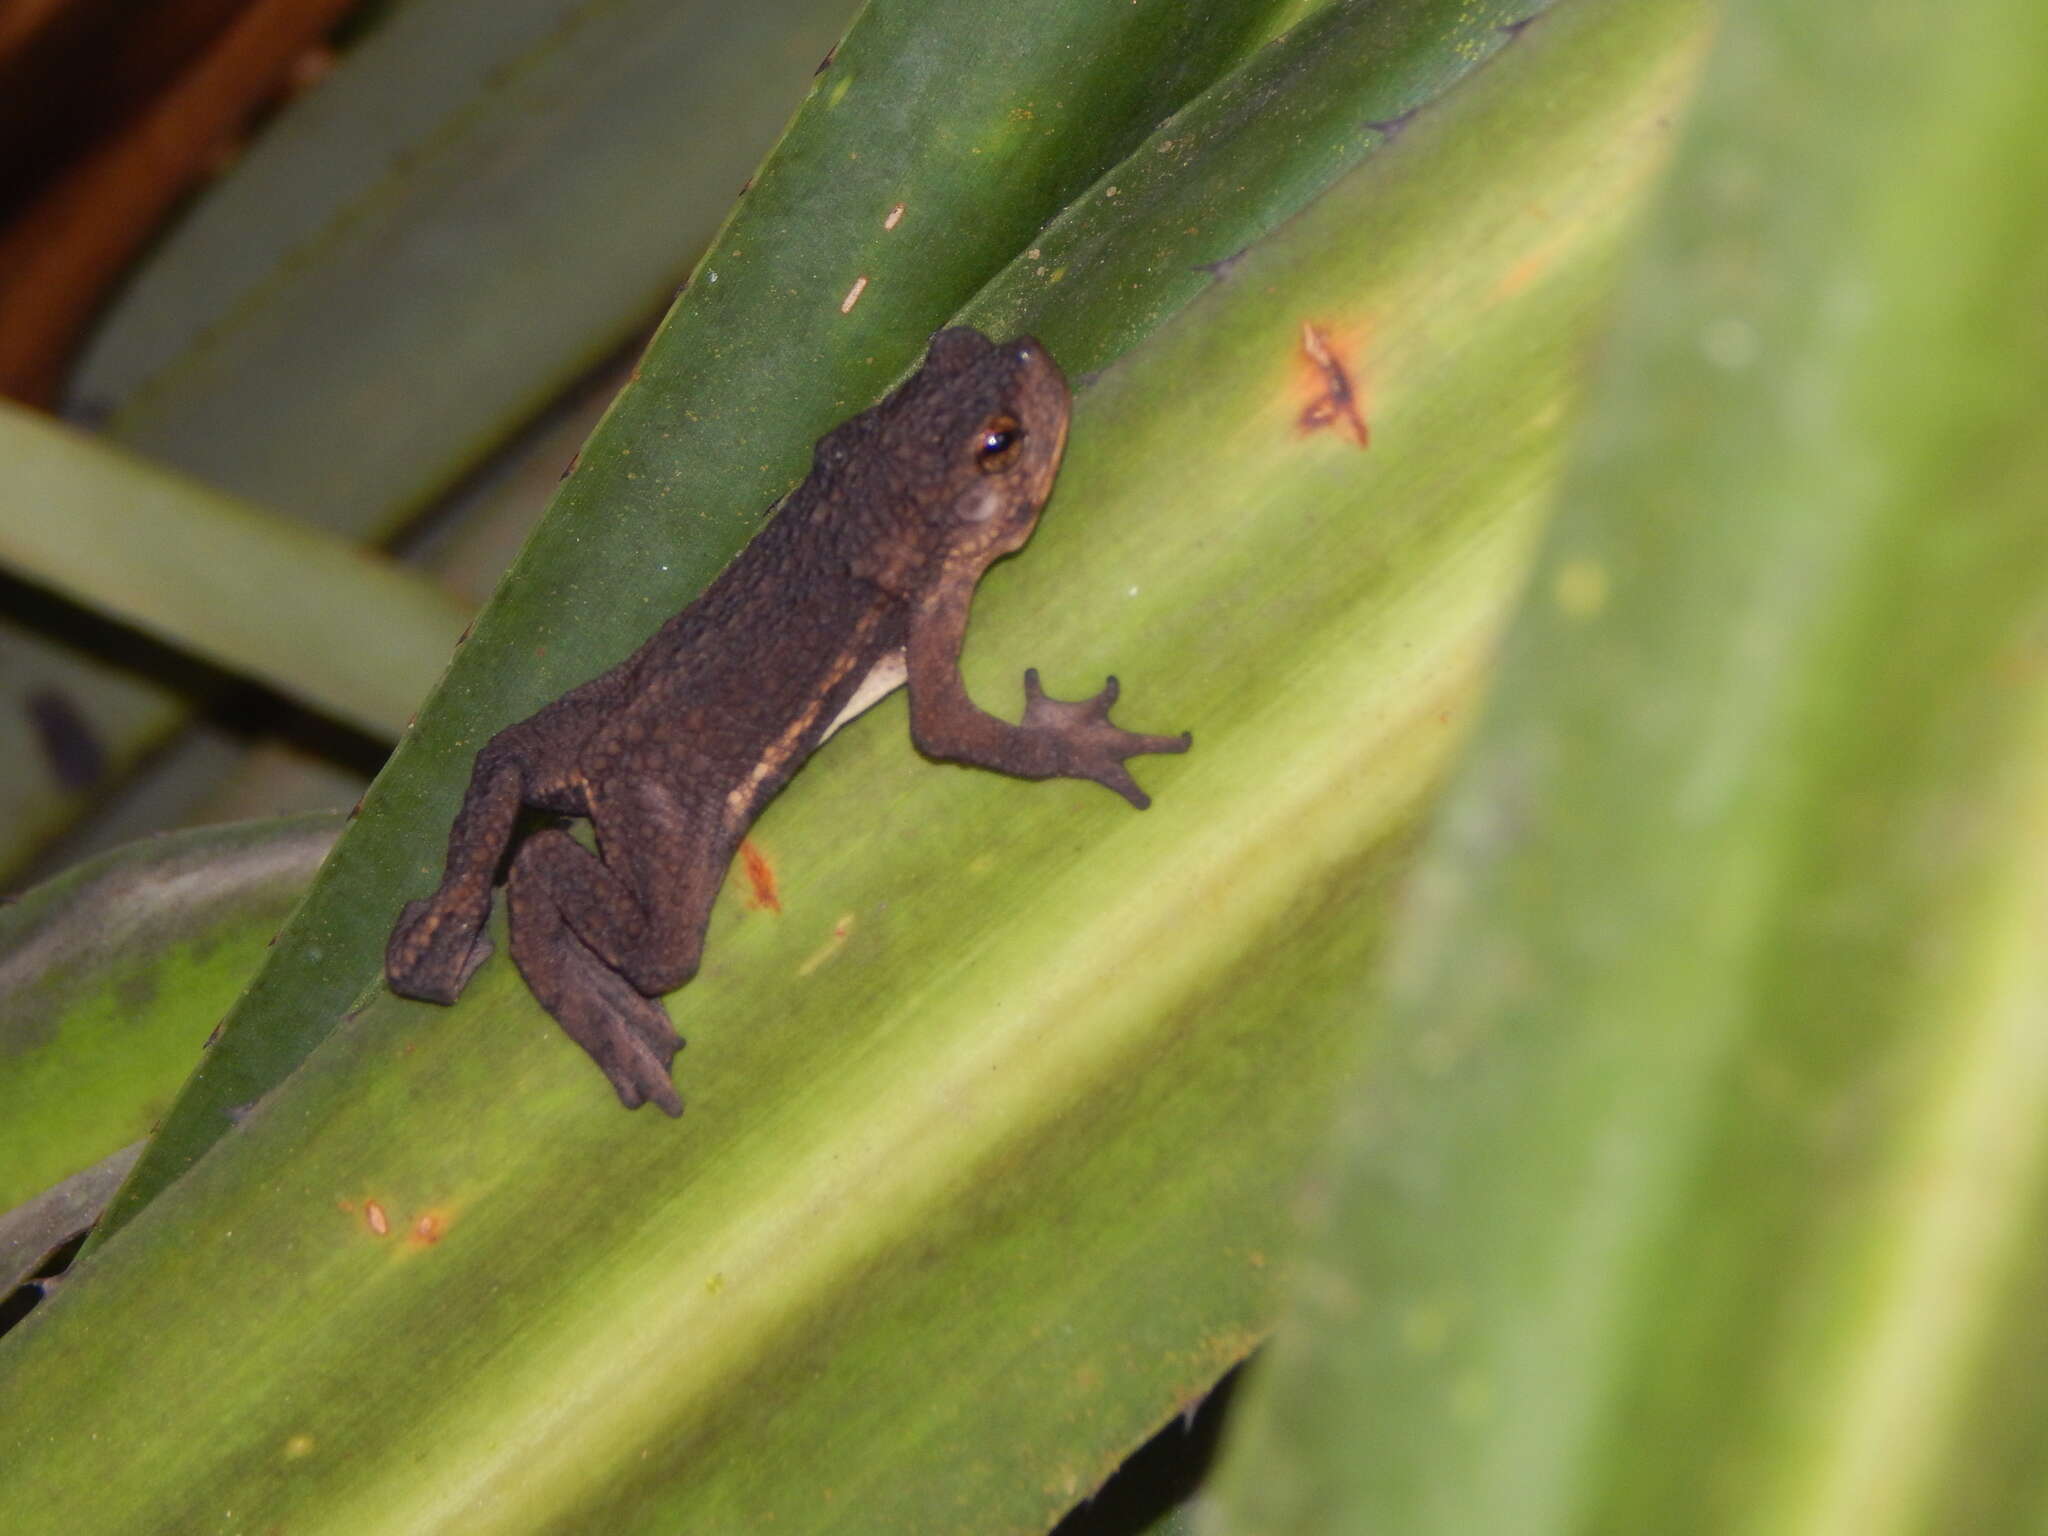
(989, 423)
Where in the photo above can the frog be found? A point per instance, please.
(859, 582)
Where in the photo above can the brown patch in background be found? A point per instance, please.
(109, 114)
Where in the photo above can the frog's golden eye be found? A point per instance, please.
(996, 444)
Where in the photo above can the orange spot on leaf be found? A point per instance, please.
(1334, 399)
(761, 893)
(429, 1229)
(375, 1219)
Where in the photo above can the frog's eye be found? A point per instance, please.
(995, 447)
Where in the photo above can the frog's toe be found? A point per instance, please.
(431, 955)
(635, 1050)
(639, 1077)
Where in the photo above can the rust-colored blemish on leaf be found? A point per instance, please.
(427, 1229)
(375, 1219)
(762, 895)
(1333, 397)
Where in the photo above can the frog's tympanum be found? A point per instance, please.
(861, 582)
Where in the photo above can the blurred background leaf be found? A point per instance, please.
(475, 207)
(111, 978)
(992, 1127)
(341, 627)
(1696, 1181)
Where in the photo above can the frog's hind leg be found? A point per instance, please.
(559, 891)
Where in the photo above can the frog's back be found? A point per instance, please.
(784, 635)
(758, 668)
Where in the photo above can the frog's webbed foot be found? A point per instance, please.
(628, 1036)
(624, 1031)
(1089, 746)
(433, 953)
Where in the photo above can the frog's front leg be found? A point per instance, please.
(437, 944)
(1058, 738)
(600, 940)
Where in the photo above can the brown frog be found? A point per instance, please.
(860, 583)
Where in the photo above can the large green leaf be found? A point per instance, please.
(1696, 1183)
(990, 1126)
(113, 975)
(340, 627)
(742, 377)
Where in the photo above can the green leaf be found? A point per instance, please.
(755, 362)
(113, 974)
(990, 1128)
(1163, 224)
(35, 1235)
(339, 627)
(477, 205)
(1696, 1181)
